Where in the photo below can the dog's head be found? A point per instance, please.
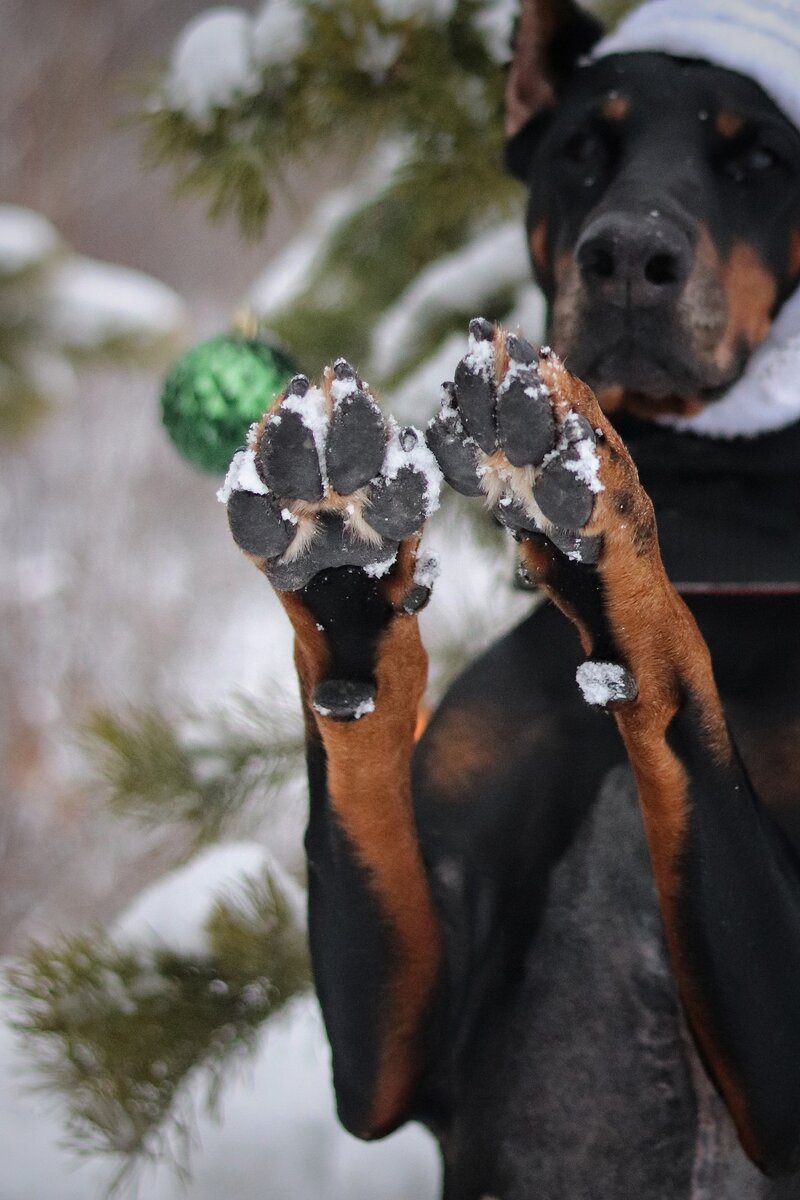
(663, 213)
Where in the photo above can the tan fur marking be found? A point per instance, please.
(616, 106)
(527, 89)
(750, 292)
(610, 399)
(464, 745)
(794, 253)
(538, 244)
(727, 123)
(369, 782)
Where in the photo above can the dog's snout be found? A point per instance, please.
(637, 260)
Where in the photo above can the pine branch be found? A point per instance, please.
(201, 772)
(119, 1033)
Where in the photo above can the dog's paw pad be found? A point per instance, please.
(512, 428)
(289, 450)
(258, 525)
(356, 438)
(474, 381)
(579, 547)
(561, 493)
(566, 487)
(526, 426)
(453, 449)
(332, 545)
(343, 699)
(407, 489)
(325, 482)
(604, 683)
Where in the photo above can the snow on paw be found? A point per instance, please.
(506, 432)
(326, 482)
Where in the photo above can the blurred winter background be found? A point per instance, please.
(156, 1013)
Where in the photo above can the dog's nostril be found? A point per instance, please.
(598, 261)
(662, 269)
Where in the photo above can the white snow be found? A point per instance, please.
(343, 387)
(601, 682)
(377, 570)
(211, 63)
(491, 261)
(438, 11)
(481, 355)
(90, 304)
(495, 22)
(288, 275)
(426, 569)
(173, 912)
(27, 240)
(414, 396)
(278, 33)
(379, 51)
(277, 1133)
(242, 476)
(313, 412)
(416, 455)
(587, 465)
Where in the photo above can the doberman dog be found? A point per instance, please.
(566, 935)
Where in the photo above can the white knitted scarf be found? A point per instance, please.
(759, 39)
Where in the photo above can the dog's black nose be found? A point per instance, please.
(640, 260)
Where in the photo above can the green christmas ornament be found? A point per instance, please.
(215, 391)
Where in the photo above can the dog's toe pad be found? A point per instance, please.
(526, 427)
(257, 525)
(356, 442)
(561, 494)
(397, 506)
(454, 452)
(289, 457)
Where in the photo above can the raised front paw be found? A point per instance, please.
(518, 429)
(503, 433)
(326, 482)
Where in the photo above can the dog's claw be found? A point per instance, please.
(344, 699)
(520, 350)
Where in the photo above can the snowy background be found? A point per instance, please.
(121, 585)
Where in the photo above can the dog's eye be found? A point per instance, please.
(582, 147)
(760, 158)
(754, 160)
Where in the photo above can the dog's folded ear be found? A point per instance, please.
(550, 37)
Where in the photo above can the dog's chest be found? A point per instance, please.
(593, 1087)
